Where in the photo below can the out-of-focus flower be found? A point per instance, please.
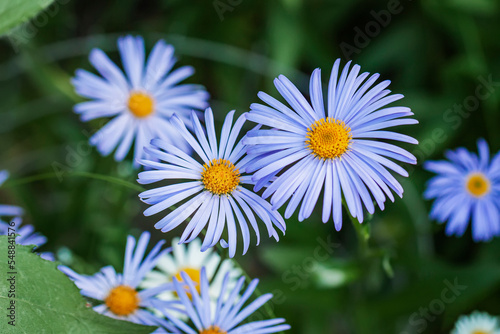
(26, 235)
(139, 103)
(190, 260)
(477, 323)
(466, 188)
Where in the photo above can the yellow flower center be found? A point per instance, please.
(194, 275)
(140, 104)
(220, 177)
(122, 300)
(213, 330)
(480, 331)
(478, 185)
(328, 138)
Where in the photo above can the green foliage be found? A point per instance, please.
(15, 12)
(46, 301)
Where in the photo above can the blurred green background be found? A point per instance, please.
(439, 54)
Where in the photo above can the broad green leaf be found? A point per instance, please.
(15, 12)
(46, 301)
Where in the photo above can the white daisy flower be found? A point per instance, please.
(477, 323)
(231, 315)
(189, 259)
(139, 103)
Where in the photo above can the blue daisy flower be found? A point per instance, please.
(8, 210)
(140, 103)
(26, 235)
(466, 188)
(119, 292)
(214, 187)
(310, 147)
(228, 314)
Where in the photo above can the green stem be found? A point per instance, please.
(362, 232)
(46, 176)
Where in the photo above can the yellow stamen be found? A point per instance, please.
(213, 330)
(140, 104)
(478, 185)
(122, 300)
(194, 275)
(328, 138)
(220, 177)
(480, 331)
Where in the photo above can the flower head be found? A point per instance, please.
(213, 189)
(119, 294)
(190, 260)
(26, 235)
(229, 313)
(141, 102)
(477, 323)
(337, 148)
(466, 188)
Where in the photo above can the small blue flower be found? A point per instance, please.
(213, 187)
(466, 188)
(140, 103)
(309, 147)
(229, 312)
(119, 292)
(26, 235)
(8, 210)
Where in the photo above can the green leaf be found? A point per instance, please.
(15, 12)
(46, 301)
